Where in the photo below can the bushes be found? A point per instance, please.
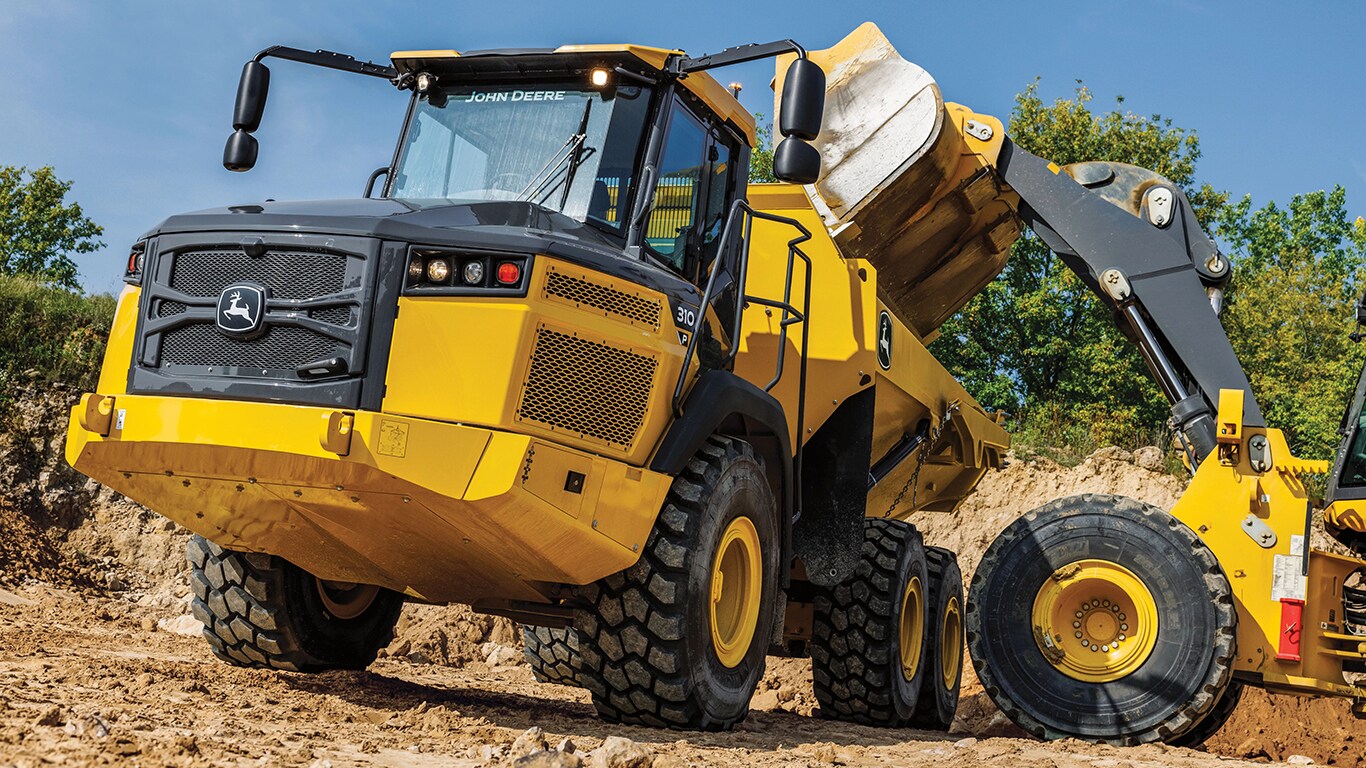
(48, 335)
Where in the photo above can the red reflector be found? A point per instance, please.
(509, 273)
(1292, 618)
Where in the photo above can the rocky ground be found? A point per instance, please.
(101, 664)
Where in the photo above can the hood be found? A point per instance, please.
(515, 225)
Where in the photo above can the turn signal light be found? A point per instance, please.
(509, 273)
(132, 271)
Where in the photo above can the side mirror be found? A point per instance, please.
(803, 100)
(796, 162)
(240, 153)
(241, 150)
(251, 96)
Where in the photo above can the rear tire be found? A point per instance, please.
(553, 653)
(260, 611)
(944, 678)
(652, 638)
(1162, 669)
(869, 644)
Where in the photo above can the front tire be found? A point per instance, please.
(1101, 618)
(679, 639)
(261, 611)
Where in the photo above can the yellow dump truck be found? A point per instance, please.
(566, 365)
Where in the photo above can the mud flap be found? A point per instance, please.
(829, 535)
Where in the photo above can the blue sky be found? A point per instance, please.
(132, 101)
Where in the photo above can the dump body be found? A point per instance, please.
(908, 181)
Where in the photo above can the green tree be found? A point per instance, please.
(1036, 341)
(1298, 272)
(761, 158)
(39, 230)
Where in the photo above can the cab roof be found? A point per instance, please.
(569, 59)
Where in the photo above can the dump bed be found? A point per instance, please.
(908, 181)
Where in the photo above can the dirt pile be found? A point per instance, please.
(98, 658)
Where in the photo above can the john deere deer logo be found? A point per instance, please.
(884, 340)
(240, 309)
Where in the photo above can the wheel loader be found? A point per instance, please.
(564, 364)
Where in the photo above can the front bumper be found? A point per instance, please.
(441, 512)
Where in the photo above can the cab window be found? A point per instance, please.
(676, 192)
(720, 174)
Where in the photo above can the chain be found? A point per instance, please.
(930, 442)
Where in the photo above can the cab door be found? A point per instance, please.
(696, 181)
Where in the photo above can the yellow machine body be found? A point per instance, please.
(1291, 637)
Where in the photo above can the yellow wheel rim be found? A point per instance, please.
(1095, 621)
(737, 576)
(951, 644)
(344, 599)
(912, 638)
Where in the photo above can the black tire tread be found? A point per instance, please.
(631, 628)
(853, 634)
(1216, 586)
(552, 653)
(238, 597)
(927, 714)
(1213, 722)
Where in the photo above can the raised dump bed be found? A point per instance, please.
(908, 180)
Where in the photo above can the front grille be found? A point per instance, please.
(283, 347)
(318, 290)
(587, 388)
(168, 308)
(332, 316)
(584, 293)
(289, 274)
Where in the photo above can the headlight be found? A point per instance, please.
(474, 272)
(438, 270)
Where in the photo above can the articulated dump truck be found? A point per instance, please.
(563, 363)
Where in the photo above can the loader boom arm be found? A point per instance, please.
(1132, 237)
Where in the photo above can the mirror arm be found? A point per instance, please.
(374, 177)
(736, 55)
(329, 60)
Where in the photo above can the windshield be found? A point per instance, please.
(561, 146)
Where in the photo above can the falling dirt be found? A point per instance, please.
(100, 662)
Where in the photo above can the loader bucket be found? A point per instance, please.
(907, 180)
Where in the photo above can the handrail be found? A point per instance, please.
(741, 210)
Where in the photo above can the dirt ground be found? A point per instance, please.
(100, 663)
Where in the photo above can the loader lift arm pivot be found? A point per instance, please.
(1132, 237)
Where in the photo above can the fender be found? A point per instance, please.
(713, 405)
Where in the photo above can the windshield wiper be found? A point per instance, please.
(572, 151)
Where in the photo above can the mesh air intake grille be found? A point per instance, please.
(168, 308)
(580, 292)
(587, 388)
(332, 315)
(283, 347)
(289, 274)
